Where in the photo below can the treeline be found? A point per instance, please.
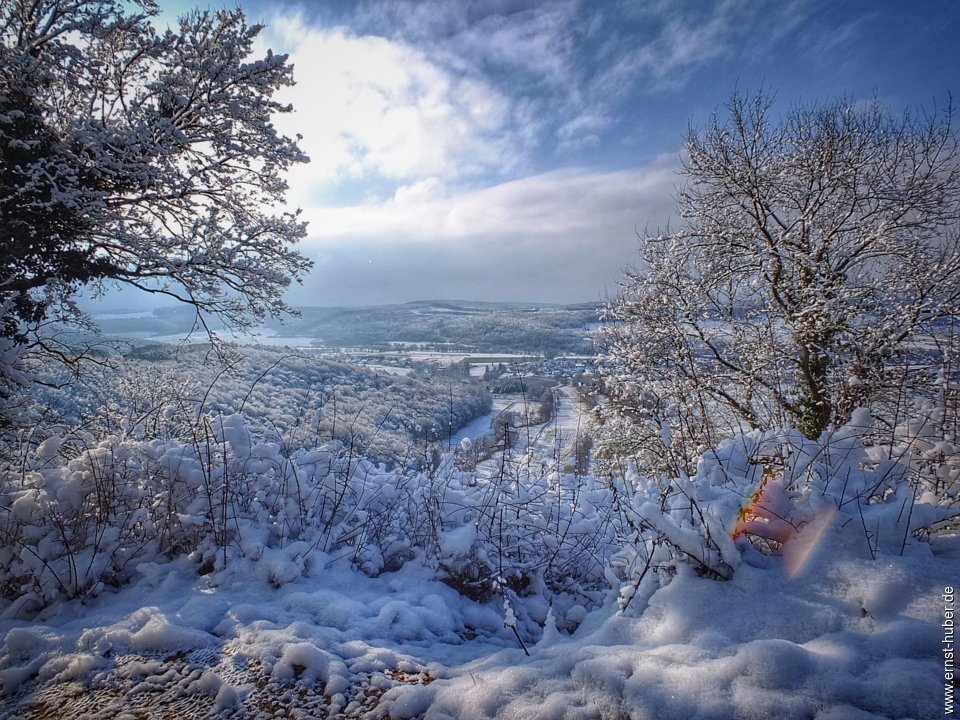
(476, 327)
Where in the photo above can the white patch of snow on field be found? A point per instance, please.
(389, 369)
(125, 315)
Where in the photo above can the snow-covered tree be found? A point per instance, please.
(815, 248)
(142, 158)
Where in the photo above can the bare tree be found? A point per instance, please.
(815, 248)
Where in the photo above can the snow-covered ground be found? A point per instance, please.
(848, 639)
(313, 590)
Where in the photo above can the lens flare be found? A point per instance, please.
(797, 552)
(770, 515)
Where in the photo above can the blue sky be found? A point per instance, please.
(506, 150)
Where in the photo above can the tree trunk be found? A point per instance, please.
(816, 409)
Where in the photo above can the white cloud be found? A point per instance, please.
(562, 235)
(532, 56)
(558, 203)
(370, 106)
(435, 113)
(481, 92)
(420, 192)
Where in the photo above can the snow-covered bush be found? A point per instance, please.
(528, 531)
(929, 446)
(777, 491)
(74, 513)
(667, 521)
(78, 513)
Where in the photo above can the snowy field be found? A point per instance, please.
(848, 639)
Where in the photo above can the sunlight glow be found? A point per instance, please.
(771, 516)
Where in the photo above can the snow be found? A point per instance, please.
(818, 617)
(762, 645)
(133, 315)
(264, 337)
(849, 637)
(458, 542)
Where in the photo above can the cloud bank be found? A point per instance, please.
(507, 149)
(561, 236)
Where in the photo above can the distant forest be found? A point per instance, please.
(475, 327)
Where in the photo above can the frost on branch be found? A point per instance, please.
(818, 256)
(141, 158)
(778, 493)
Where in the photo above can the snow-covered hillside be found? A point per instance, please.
(471, 326)
(283, 394)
